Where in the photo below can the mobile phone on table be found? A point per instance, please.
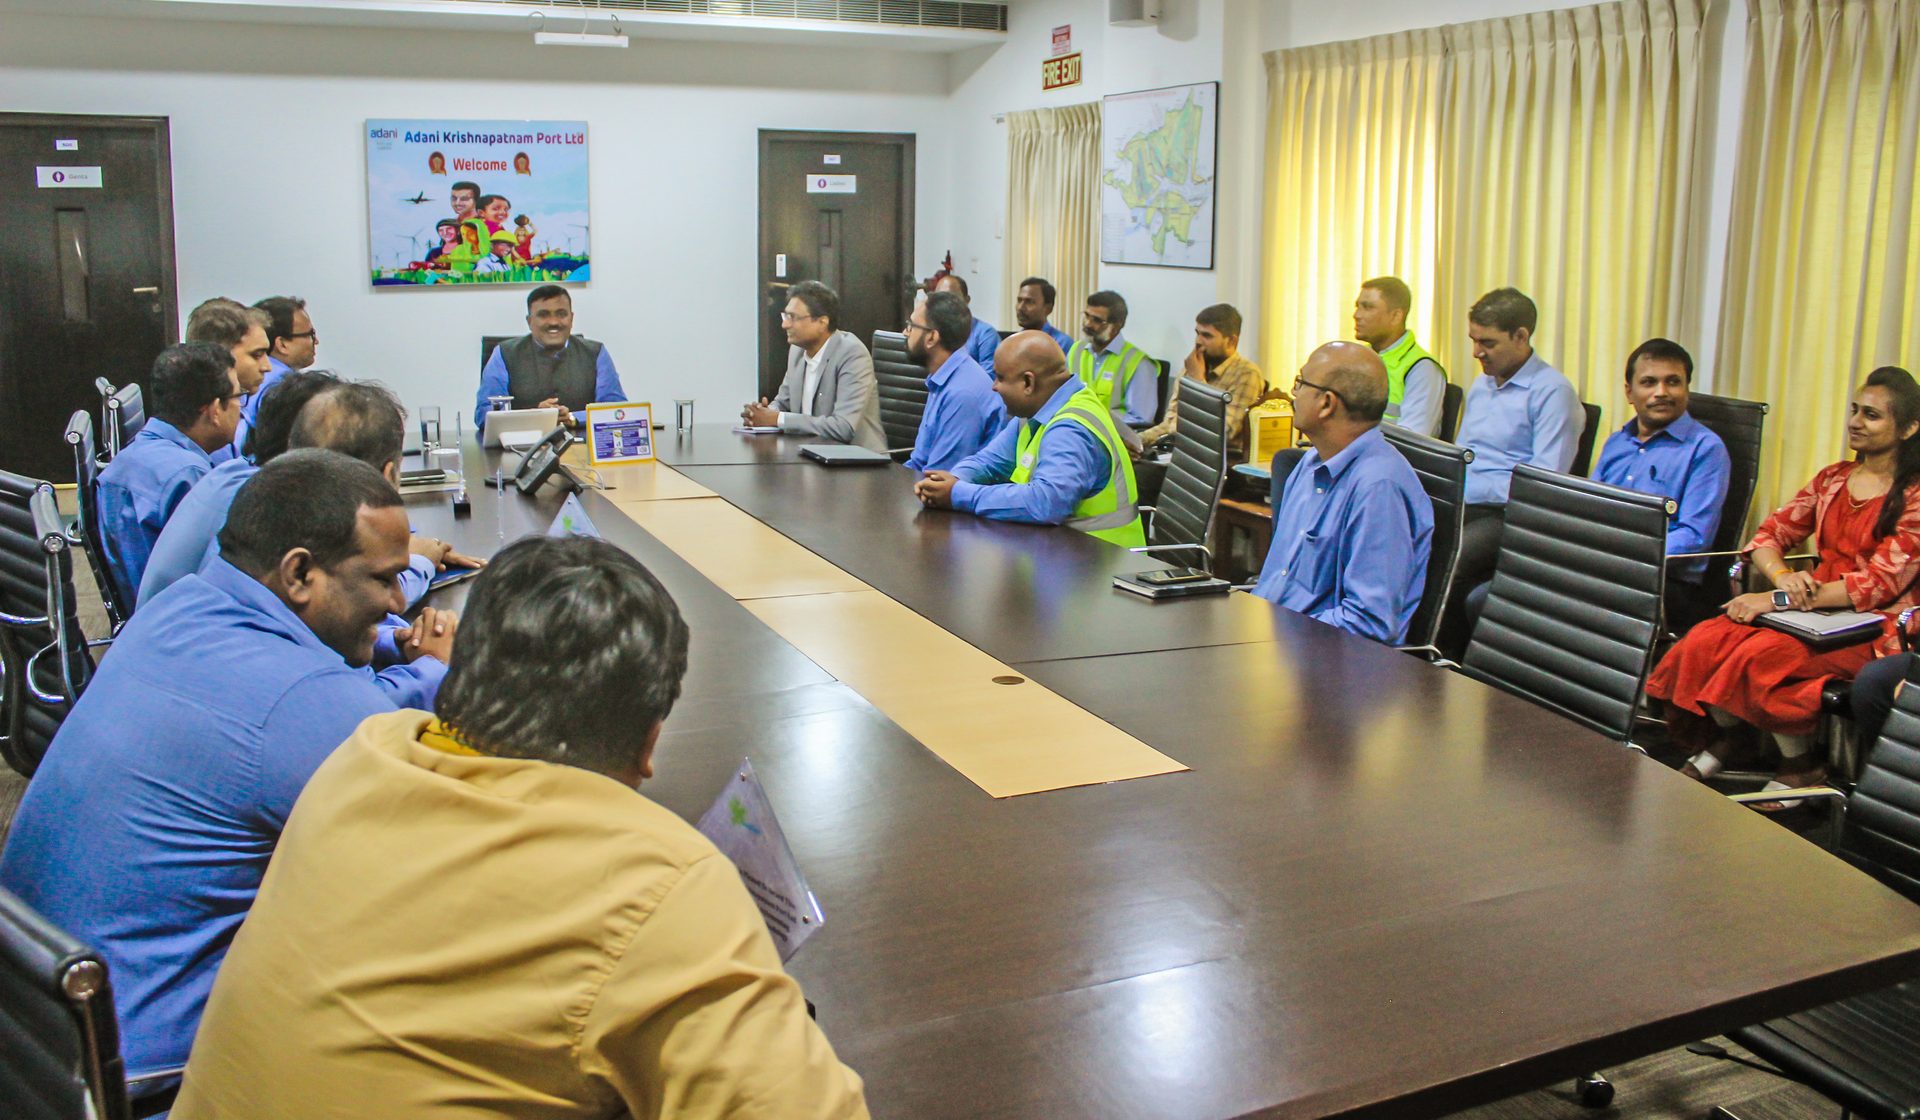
(1174, 576)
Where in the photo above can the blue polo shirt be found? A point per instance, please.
(1684, 461)
(1534, 418)
(1062, 337)
(148, 826)
(1351, 540)
(982, 343)
(138, 493)
(963, 413)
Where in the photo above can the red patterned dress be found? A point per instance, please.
(1770, 679)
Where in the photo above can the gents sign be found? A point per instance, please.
(1058, 73)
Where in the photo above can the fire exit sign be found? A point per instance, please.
(1058, 73)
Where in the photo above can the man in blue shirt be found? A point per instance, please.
(149, 824)
(242, 332)
(982, 338)
(1033, 310)
(1354, 529)
(292, 343)
(363, 421)
(549, 366)
(1663, 450)
(1519, 410)
(196, 403)
(963, 412)
(1060, 462)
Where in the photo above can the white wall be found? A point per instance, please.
(268, 172)
(1186, 47)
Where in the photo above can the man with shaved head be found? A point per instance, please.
(1062, 462)
(1353, 529)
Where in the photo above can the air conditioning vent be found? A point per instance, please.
(968, 15)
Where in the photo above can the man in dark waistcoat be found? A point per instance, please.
(550, 366)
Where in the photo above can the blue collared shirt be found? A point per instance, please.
(250, 406)
(190, 543)
(1351, 540)
(963, 413)
(138, 493)
(1684, 461)
(494, 383)
(1534, 418)
(1071, 465)
(1143, 392)
(982, 343)
(1062, 337)
(148, 826)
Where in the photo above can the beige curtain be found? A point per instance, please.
(1568, 171)
(1352, 142)
(1553, 152)
(1823, 261)
(1053, 206)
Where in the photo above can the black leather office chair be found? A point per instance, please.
(1574, 606)
(45, 656)
(106, 390)
(1183, 516)
(1583, 451)
(1740, 425)
(1864, 1052)
(126, 413)
(903, 392)
(62, 1039)
(1442, 468)
(86, 479)
(487, 344)
(1163, 385)
(1450, 402)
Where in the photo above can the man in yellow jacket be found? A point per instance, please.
(1059, 461)
(473, 913)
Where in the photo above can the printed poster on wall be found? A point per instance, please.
(477, 202)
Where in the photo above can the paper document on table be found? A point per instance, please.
(742, 825)
(572, 520)
(756, 429)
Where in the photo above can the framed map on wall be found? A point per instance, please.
(1157, 151)
(467, 203)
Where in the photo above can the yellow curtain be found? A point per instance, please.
(1553, 152)
(1567, 171)
(1823, 260)
(1352, 132)
(1053, 206)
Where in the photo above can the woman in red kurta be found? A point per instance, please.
(1865, 526)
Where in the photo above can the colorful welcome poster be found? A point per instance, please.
(477, 202)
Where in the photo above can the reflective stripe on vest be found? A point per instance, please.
(1100, 380)
(1400, 358)
(1110, 513)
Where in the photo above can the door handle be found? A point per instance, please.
(771, 284)
(150, 291)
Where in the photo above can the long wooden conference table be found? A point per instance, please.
(1367, 887)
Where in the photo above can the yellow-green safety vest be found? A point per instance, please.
(1112, 367)
(1111, 513)
(1400, 358)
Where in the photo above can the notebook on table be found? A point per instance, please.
(1148, 585)
(844, 455)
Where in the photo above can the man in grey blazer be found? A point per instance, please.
(829, 390)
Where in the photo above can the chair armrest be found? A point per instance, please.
(1902, 625)
(1701, 555)
(1203, 549)
(1804, 793)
